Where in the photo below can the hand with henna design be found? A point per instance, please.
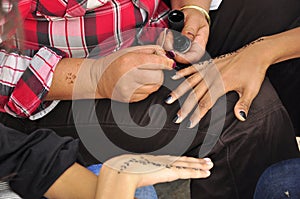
(242, 71)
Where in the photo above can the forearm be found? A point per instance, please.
(70, 74)
(75, 182)
(283, 46)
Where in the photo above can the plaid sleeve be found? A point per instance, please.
(25, 81)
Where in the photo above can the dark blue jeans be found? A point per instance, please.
(280, 181)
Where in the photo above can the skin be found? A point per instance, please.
(131, 170)
(242, 71)
(196, 28)
(134, 80)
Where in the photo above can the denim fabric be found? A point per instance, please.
(280, 181)
(147, 192)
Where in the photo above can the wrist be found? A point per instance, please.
(263, 51)
(272, 51)
(283, 46)
(96, 70)
(177, 4)
(199, 9)
(113, 184)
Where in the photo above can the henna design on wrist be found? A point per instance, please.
(253, 42)
(245, 46)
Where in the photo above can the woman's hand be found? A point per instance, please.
(121, 175)
(242, 71)
(131, 74)
(128, 75)
(148, 169)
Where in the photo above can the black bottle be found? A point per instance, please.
(176, 22)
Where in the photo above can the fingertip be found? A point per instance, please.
(193, 122)
(241, 115)
(178, 119)
(176, 76)
(190, 124)
(189, 34)
(169, 99)
(189, 31)
(173, 65)
(207, 159)
(171, 54)
(210, 165)
(207, 173)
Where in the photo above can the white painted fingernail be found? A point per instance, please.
(169, 99)
(190, 124)
(176, 77)
(177, 119)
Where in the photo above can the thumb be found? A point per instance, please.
(242, 106)
(191, 25)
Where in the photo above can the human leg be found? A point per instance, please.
(245, 149)
(280, 180)
(272, 115)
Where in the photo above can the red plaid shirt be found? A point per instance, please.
(73, 28)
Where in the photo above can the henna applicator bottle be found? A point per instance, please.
(176, 22)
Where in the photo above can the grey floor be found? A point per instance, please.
(173, 190)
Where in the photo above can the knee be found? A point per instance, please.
(279, 181)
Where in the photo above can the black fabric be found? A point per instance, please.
(244, 149)
(240, 155)
(32, 163)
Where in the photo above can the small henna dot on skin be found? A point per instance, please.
(70, 78)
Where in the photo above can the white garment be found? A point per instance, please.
(215, 4)
(6, 192)
(96, 3)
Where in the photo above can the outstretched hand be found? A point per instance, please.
(242, 71)
(148, 169)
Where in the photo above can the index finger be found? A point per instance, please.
(148, 49)
(156, 62)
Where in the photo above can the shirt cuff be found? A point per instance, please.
(27, 98)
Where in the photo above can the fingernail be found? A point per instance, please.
(170, 54)
(174, 65)
(189, 125)
(243, 114)
(207, 173)
(177, 119)
(175, 77)
(169, 99)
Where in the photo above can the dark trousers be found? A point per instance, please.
(240, 150)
